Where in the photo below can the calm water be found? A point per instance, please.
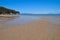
(25, 19)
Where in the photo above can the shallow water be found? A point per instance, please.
(22, 19)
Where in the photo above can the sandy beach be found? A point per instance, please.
(36, 30)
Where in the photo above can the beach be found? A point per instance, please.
(41, 29)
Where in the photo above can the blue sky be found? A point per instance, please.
(33, 6)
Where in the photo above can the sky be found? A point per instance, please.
(33, 6)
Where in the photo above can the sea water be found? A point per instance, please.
(22, 19)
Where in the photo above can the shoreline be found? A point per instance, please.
(9, 15)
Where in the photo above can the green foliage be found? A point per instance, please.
(4, 10)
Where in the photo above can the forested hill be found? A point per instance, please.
(4, 10)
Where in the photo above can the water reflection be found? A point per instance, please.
(24, 19)
(4, 20)
(13, 20)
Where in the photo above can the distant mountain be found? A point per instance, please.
(4, 10)
(40, 14)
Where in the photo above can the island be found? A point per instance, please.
(7, 11)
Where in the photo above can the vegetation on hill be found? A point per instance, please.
(4, 10)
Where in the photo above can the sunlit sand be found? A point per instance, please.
(37, 30)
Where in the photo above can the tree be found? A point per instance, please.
(4, 10)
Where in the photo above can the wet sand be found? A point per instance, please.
(37, 30)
